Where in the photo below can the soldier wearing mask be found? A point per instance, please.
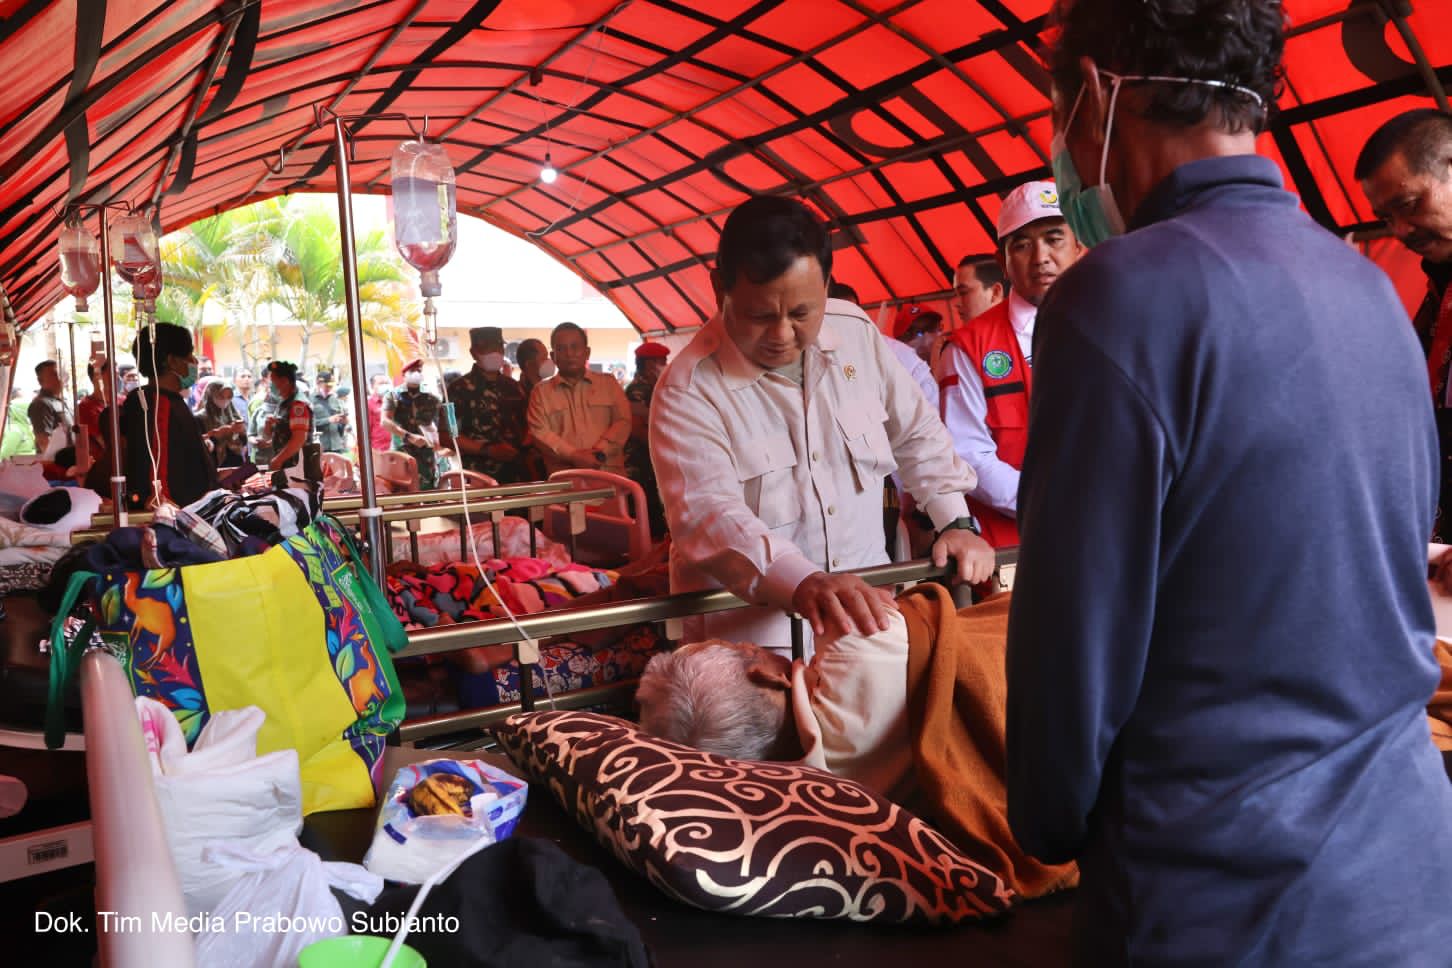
(411, 414)
(489, 407)
(292, 426)
(261, 414)
(330, 416)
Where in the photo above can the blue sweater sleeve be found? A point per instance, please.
(1094, 481)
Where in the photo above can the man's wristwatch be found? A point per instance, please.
(959, 524)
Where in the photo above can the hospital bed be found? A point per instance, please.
(134, 875)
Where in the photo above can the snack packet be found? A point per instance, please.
(433, 810)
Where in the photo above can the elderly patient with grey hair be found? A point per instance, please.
(915, 713)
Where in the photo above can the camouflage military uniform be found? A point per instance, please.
(417, 413)
(490, 408)
(258, 410)
(637, 460)
(332, 437)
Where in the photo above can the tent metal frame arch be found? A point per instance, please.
(644, 241)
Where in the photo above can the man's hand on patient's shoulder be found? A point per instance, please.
(838, 605)
(974, 556)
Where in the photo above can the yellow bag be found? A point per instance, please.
(298, 631)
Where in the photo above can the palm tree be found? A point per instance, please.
(284, 253)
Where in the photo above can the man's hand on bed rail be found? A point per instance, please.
(973, 555)
(836, 605)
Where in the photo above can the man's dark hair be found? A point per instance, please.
(1233, 41)
(765, 235)
(987, 270)
(568, 328)
(840, 290)
(91, 372)
(526, 351)
(1423, 137)
(43, 364)
(284, 369)
(171, 340)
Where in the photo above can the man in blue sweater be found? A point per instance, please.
(1220, 642)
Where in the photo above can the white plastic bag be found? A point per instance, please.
(279, 903)
(220, 791)
(419, 832)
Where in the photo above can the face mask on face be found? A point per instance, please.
(189, 378)
(492, 362)
(272, 395)
(1093, 213)
(413, 379)
(547, 369)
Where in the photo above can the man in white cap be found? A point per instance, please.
(987, 366)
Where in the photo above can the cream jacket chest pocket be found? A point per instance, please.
(764, 466)
(865, 435)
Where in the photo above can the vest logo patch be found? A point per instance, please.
(997, 365)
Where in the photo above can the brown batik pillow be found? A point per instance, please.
(763, 839)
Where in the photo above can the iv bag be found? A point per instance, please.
(424, 210)
(134, 249)
(80, 263)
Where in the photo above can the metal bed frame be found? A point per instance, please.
(543, 625)
(135, 876)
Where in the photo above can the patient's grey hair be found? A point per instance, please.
(700, 695)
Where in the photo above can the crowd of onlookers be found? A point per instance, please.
(556, 413)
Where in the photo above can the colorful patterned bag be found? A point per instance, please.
(300, 631)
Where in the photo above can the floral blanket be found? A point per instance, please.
(455, 592)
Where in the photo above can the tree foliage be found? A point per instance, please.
(277, 262)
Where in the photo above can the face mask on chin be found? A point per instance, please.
(1093, 213)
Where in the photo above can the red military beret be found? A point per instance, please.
(652, 351)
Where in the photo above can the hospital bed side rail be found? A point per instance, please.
(333, 505)
(565, 621)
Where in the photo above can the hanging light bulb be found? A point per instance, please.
(80, 261)
(549, 172)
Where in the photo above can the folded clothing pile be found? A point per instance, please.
(220, 526)
(566, 667)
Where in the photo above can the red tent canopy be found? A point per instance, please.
(902, 121)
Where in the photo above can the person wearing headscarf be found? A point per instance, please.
(223, 425)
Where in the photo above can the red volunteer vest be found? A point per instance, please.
(991, 346)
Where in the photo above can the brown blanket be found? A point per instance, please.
(957, 711)
(1439, 710)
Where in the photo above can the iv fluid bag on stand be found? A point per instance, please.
(134, 249)
(80, 263)
(424, 210)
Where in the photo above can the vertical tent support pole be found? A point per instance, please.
(75, 390)
(369, 513)
(108, 312)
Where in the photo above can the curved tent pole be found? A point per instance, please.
(369, 513)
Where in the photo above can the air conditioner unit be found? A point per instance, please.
(445, 348)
